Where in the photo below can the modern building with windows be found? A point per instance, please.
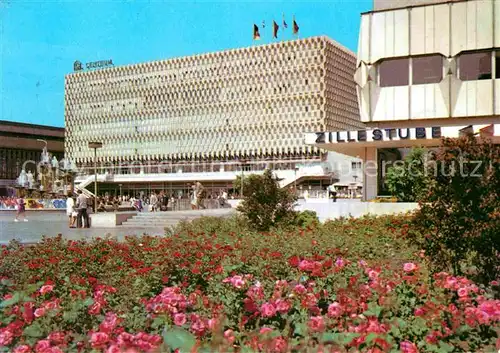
(21, 146)
(211, 117)
(426, 69)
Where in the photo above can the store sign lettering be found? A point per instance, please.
(378, 135)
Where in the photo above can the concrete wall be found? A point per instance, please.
(326, 209)
(110, 219)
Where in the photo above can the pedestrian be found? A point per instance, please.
(20, 208)
(70, 210)
(194, 198)
(82, 218)
(332, 192)
(201, 193)
(153, 202)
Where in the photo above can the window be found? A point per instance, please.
(497, 64)
(427, 69)
(394, 72)
(474, 66)
(355, 165)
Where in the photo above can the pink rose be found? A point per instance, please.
(419, 311)
(335, 310)
(282, 306)
(22, 349)
(316, 323)
(265, 330)
(180, 319)
(6, 338)
(408, 347)
(42, 346)
(99, 339)
(113, 349)
(462, 292)
(39, 312)
(237, 282)
(56, 337)
(229, 335)
(46, 289)
(299, 289)
(409, 267)
(267, 310)
(279, 345)
(198, 327)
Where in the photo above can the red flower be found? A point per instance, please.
(267, 310)
(316, 323)
(408, 347)
(294, 261)
(99, 339)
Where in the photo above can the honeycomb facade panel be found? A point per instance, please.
(244, 103)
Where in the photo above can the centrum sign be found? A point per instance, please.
(78, 66)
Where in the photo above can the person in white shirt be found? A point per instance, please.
(70, 210)
(332, 192)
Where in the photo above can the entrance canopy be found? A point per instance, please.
(353, 143)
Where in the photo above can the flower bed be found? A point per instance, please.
(344, 286)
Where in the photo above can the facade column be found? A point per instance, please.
(370, 170)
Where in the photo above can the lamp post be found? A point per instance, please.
(243, 161)
(95, 146)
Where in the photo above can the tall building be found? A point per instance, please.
(208, 113)
(427, 70)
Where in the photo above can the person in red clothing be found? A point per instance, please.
(20, 208)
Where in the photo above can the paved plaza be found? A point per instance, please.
(52, 223)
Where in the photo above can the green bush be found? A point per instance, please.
(460, 215)
(266, 205)
(408, 180)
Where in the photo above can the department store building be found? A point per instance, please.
(212, 116)
(426, 69)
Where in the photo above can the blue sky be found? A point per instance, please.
(40, 39)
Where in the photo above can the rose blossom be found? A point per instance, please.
(46, 289)
(462, 292)
(22, 349)
(229, 335)
(42, 345)
(265, 330)
(279, 345)
(282, 306)
(408, 347)
(56, 337)
(335, 310)
(99, 339)
(39, 312)
(316, 323)
(409, 267)
(268, 310)
(113, 349)
(299, 289)
(5, 338)
(180, 319)
(237, 282)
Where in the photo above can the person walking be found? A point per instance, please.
(194, 198)
(70, 210)
(20, 208)
(332, 192)
(82, 218)
(200, 195)
(153, 202)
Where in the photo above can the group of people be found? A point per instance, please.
(198, 195)
(77, 210)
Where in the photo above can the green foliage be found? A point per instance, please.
(460, 216)
(306, 219)
(237, 184)
(408, 180)
(266, 205)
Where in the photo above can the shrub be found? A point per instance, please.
(306, 219)
(266, 205)
(307, 289)
(460, 215)
(408, 180)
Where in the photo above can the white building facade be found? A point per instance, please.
(428, 70)
(206, 115)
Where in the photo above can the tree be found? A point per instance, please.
(408, 180)
(237, 184)
(265, 204)
(460, 215)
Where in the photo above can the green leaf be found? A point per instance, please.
(33, 331)
(177, 338)
(370, 337)
(445, 347)
(300, 329)
(12, 301)
(157, 322)
(329, 337)
(88, 302)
